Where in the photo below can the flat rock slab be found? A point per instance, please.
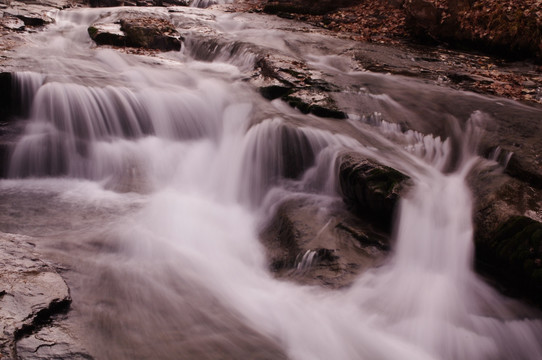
(12, 23)
(31, 15)
(31, 291)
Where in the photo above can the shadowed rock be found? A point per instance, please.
(329, 249)
(369, 188)
(107, 34)
(279, 76)
(513, 254)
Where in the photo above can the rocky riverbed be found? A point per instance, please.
(302, 245)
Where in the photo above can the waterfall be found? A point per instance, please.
(154, 180)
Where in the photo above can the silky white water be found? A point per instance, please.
(150, 180)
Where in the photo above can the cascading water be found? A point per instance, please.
(169, 265)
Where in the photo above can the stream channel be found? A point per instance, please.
(148, 180)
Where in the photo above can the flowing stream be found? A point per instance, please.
(149, 179)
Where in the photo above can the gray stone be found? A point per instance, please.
(31, 292)
(12, 23)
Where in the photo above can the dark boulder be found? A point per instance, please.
(6, 96)
(107, 34)
(513, 255)
(369, 188)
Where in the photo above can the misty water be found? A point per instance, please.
(148, 179)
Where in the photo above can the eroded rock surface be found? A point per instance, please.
(31, 294)
(305, 89)
(314, 247)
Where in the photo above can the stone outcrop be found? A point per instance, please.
(370, 189)
(292, 81)
(513, 254)
(12, 23)
(30, 14)
(507, 220)
(141, 32)
(107, 34)
(32, 293)
(510, 29)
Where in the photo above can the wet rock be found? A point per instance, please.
(151, 33)
(304, 89)
(32, 292)
(369, 188)
(12, 23)
(330, 249)
(271, 92)
(8, 130)
(106, 3)
(6, 96)
(522, 169)
(514, 255)
(142, 32)
(51, 343)
(176, 2)
(507, 214)
(107, 34)
(30, 14)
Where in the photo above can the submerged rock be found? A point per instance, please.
(31, 294)
(330, 249)
(369, 188)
